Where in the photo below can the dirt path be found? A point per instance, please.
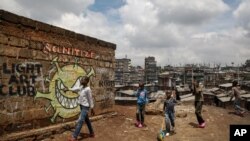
(121, 127)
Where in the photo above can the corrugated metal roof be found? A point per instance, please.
(187, 97)
(157, 94)
(222, 95)
(128, 92)
(126, 98)
(226, 85)
(119, 86)
(225, 99)
(245, 96)
(208, 93)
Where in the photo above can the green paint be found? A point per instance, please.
(64, 103)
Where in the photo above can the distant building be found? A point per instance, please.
(168, 68)
(166, 80)
(136, 74)
(122, 71)
(191, 71)
(126, 74)
(151, 70)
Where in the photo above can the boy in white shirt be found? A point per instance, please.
(85, 100)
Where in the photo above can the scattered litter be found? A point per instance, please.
(129, 119)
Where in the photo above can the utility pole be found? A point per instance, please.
(192, 77)
(184, 75)
(214, 74)
(238, 74)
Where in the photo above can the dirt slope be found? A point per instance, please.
(121, 127)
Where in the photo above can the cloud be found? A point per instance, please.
(164, 29)
(242, 14)
(13, 6)
(162, 24)
(224, 46)
(46, 10)
(192, 12)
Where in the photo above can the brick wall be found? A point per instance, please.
(36, 61)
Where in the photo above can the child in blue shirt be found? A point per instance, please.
(168, 110)
(142, 99)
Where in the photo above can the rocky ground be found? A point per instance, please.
(121, 127)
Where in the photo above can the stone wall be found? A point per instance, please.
(37, 61)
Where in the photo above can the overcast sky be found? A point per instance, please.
(175, 32)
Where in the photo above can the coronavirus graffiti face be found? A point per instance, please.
(64, 103)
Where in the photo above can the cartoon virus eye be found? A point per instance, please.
(60, 84)
(77, 83)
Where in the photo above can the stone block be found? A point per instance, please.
(43, 27)
(36, 114)
(112, 46)
(11, 51)
(70, 34)
(36, 45)
(106, 64)
(57, 30)
(92, 40)
(3, 39)
(15, 41)
(1, 13)
(101, 43)
(32, 138)
(10, 17)
(39, 55)
(25, 53)
(5, 119)
(28, 22)
(2, 49)
(18, 116)
(103, 107)
(80, 37)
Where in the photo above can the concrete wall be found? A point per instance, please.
(36, 61)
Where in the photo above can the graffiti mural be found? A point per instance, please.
(64, 103)
(22, 78)
(68, 51)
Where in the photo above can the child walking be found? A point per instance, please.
(199, 99)
(237, 101)
(169, 111)
(85, 100)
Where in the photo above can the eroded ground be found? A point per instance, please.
(121, 127)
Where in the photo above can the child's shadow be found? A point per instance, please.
(234, 113)
(83, 136)
(230, 113)
(194, 125)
